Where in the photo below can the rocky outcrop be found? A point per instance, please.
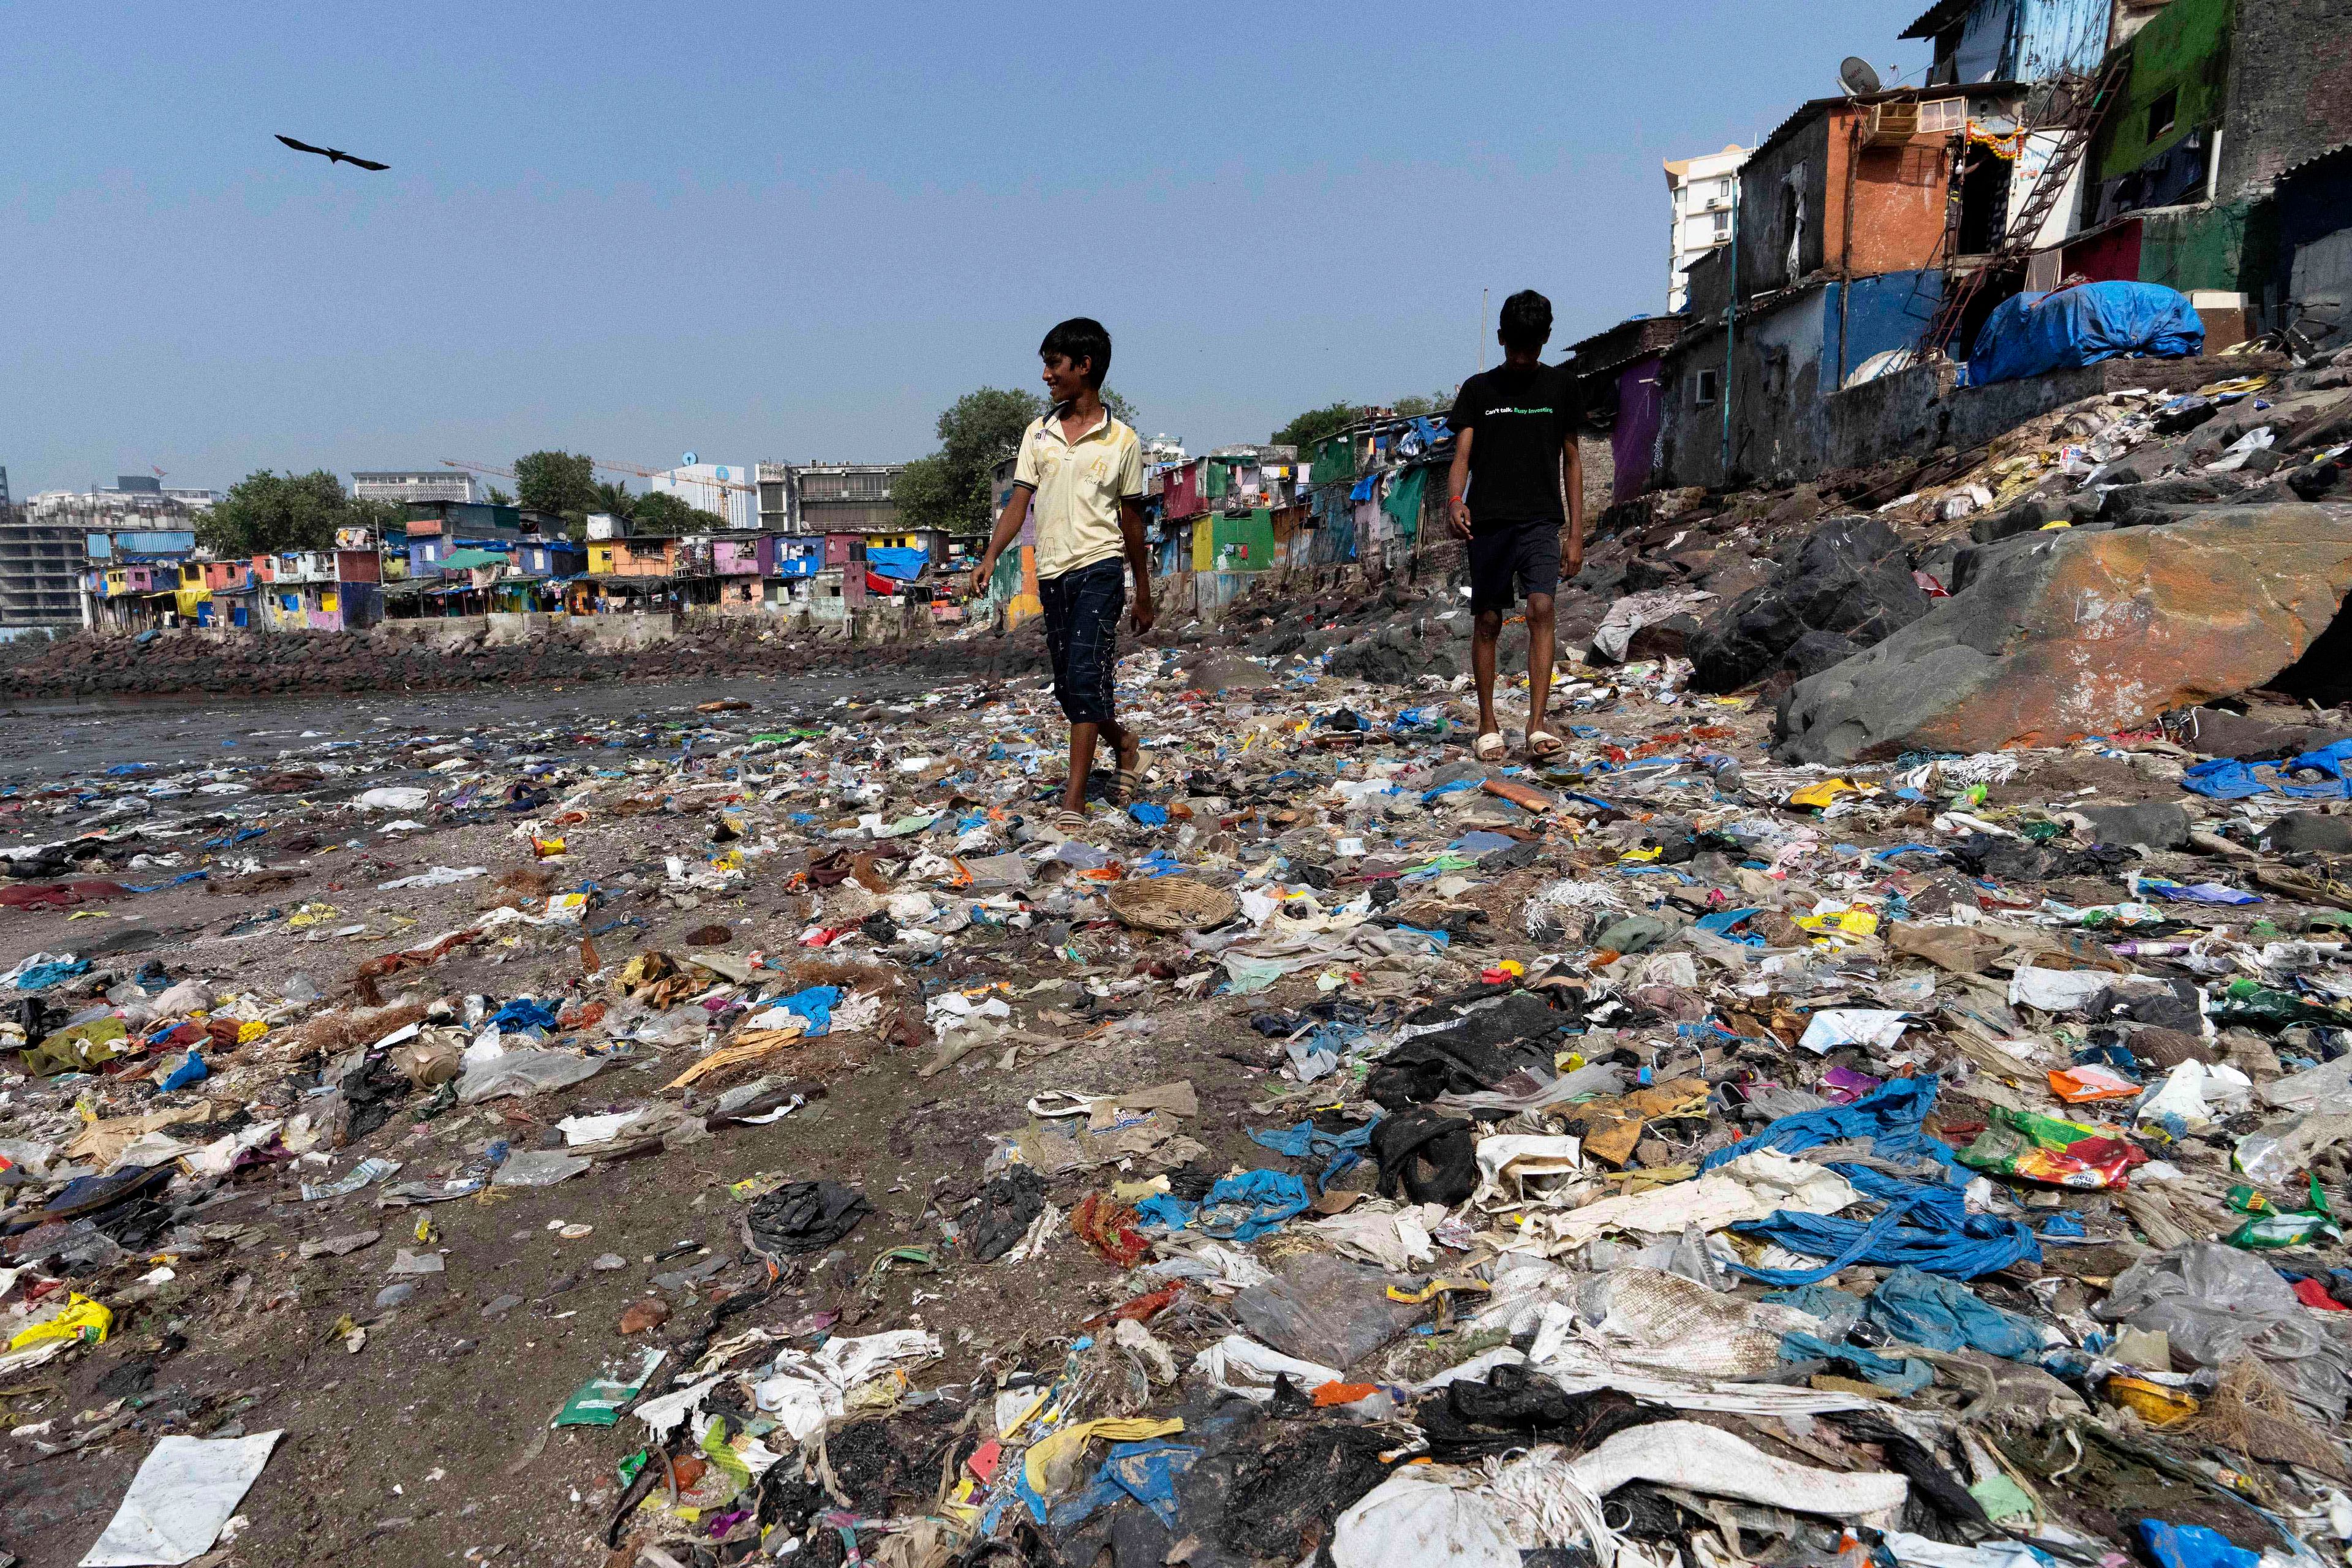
(2066, 633)
(1846, 586)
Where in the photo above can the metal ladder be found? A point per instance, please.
(2083, 118)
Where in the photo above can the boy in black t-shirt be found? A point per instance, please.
(1517, 479)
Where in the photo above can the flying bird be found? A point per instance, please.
(333, 155)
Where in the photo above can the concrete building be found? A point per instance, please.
(1700, 191)
(2223, 97)
(1851, 213)
(405, 485)
(40, 570)
(725, 489)
(45, 542)
(840, 497)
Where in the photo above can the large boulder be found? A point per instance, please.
(1845, 586)
(2069, 634)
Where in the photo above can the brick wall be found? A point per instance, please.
(2290, 89)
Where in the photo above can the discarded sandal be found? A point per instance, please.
(1130, 778)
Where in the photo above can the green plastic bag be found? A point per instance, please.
(2270, 1227)
(598, 1401)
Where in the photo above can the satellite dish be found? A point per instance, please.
(690, 459)
(1858, 77)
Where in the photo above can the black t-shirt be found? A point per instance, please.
(1523, 418)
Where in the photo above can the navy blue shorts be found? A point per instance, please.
(1529, 552)
(1082, 610)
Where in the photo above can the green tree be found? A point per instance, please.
(265, 511)
(1438, 402)
(1122, 410)
(662, 513)
(949, 489)
(500, 497)
(927, 496)
(560, 482)
(615, 499)
(1316, 425)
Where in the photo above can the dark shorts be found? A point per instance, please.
(1499, 553)
(1082, 610)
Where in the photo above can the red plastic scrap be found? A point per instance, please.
(1138, 1309)
(1108, 1227)
(55, 896)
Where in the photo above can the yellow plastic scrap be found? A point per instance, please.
(250, 1030)
(1065, 1449)
(1826, 792)
(2152, 1401)
(1855, 920)
(82, 1320)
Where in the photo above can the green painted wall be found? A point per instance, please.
(1254, 532)
(2186, 49)
(2230, 247)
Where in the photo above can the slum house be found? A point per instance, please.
(2022, 40)
(131, 582)
(1377, 492)
(2313, 272)
(637, 574)
(1619, 373)
(1849, 215)
(2223, 97)
(321, 590)
(232, 594)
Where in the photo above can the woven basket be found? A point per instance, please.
(1171, 904)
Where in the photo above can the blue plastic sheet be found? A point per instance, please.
(2227, 778)
(1926, 1224)
(1900, 1377)
(41, 976)
(1146, 1471)
(1342, 1150)
(1238, 1209)
(899, 565)
(2193, 1546)
(523, 1014)
(2033, 334)
(1891, 1115)
(1945, 1315)
(815, 1003)
(193, 1070)
(159, 887)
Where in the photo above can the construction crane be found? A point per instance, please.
(644, 473)
(490, 469)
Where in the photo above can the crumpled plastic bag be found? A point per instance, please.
(2214, 1303)
(526, 1073)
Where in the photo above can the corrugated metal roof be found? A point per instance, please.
(1940, 16)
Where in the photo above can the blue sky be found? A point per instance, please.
(793, 232)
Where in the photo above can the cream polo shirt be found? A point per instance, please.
(1078, 486)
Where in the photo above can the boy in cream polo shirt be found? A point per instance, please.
(1083, 472)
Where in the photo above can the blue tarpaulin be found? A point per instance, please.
(1925, 1224)
(902, 565)
(1238, 1209)
(2033, 334)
